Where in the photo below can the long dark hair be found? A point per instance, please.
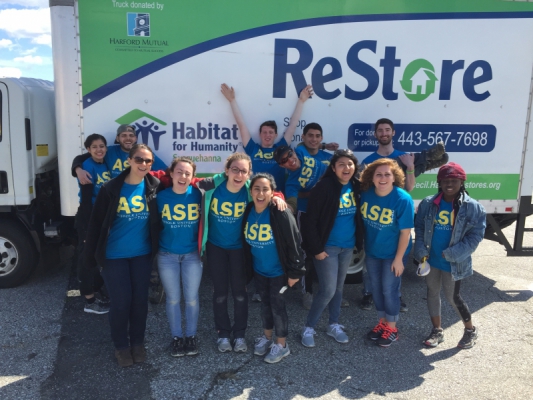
(336, 156)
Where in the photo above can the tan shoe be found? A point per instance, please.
(138, 353)
(124, 357)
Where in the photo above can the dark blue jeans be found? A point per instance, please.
(273, 310)
(127, 281)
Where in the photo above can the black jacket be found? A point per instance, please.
(287, 239)
(105, 211)
(322, 210)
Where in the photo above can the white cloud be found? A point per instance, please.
(10, 72)
(29, 60)
(27, 3)
(30, 24)
(28, 51)
(6, 44)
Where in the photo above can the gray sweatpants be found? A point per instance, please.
(437, 279)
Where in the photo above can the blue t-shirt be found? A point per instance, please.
(375, 156)
(263, 161)
(343, 232)
(117, 161)
(180, 214)
(384, 217)
(225, 217)
(258, 234)
(99, 173)
(305, 177)
(442, 235)
(130, 232)
(323, 156)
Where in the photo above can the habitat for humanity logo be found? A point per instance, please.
(138, 24)
(146, 126)
(418, 80)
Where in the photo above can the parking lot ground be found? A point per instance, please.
(51, 349)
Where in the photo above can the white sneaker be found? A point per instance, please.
(277, 353)
(223, 345)
(262, 345)
(239, 346)
(308, 339)
(336, 331)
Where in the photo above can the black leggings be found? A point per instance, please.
(437, 279)
(273, 311)
(227, 269)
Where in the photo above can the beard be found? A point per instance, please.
(385, 140)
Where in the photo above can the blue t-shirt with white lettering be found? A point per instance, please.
(130, 232)
(305, 177)
(375, 156)
(258, 234)
(180, 214)
(99, 175)
(263, 161)
(384, 217)
(117, 161)
(343, 232)
(225, 217)
(442, 235)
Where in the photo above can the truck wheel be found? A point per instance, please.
(18, 256)
(355, 271)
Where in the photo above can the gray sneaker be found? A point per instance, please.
(262, 345)
(336, 332)
(223, 345)
(307, 300)
(97, 307)
(239, 346)
(256, 298)
(277, 352)
(308, 339)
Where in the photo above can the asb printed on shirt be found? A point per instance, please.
(305, 177)
(343, 232)
(99, 173)
(225, 217)
(117, 161)
(258, 234)
(263, 161)
(384, 218)
(130, 232)
(375, 156)
(442, 235)
(180, 214)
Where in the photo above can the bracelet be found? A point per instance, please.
(410, 172)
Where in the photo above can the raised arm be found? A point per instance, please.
(306, 93)
(229, 94)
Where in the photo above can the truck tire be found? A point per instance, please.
(355, 271)
(18, 255)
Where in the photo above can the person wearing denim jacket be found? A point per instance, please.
(449, 226)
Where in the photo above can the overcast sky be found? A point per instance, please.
(25, 42)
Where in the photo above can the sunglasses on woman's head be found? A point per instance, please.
(140, 160)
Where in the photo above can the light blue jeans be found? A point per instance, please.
(385, 288)
(175, 270)
(331, 273)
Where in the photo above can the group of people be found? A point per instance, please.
(254, 221)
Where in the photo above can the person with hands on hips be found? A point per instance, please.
(271, 245)
(332, 227)
(388, 215)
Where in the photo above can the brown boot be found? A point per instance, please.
(124, 357)
(138, 353)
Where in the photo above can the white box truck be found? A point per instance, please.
(449, 70)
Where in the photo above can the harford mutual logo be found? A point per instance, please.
(146, 125)
(138, 24)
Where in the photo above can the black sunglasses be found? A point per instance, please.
(285, 159)
(140, 160)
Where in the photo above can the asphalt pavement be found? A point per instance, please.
(51, 349)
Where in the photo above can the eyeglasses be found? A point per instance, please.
(238, 171)
(140, 160)
(285, 159)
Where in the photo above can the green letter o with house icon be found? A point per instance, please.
(418, 81)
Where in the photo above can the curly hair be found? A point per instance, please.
(367, 175)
